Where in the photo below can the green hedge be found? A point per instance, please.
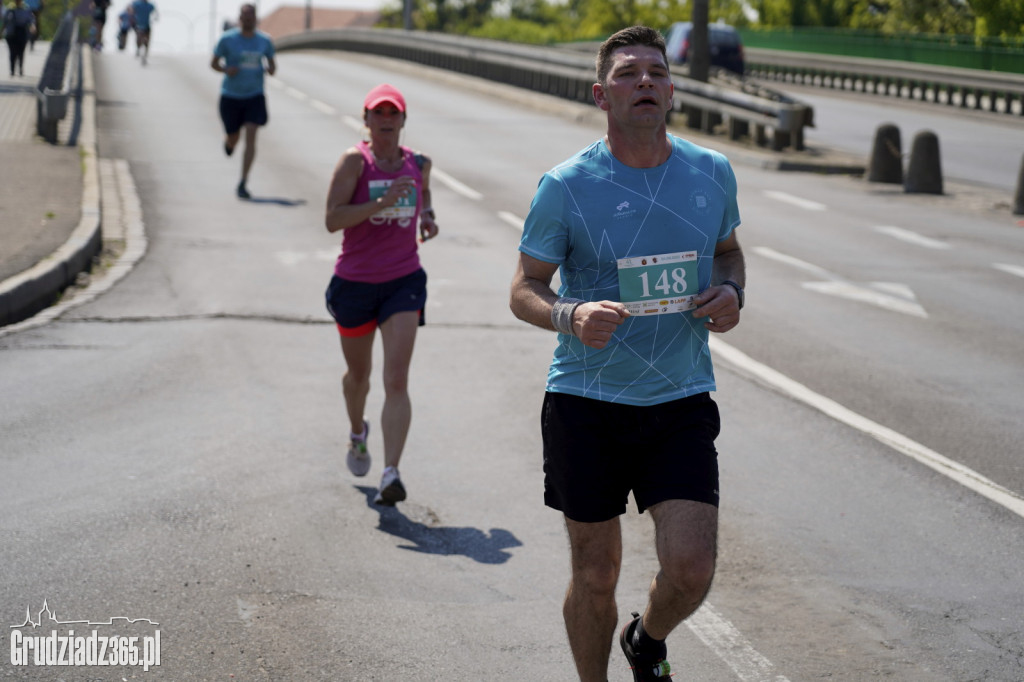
(968, 52)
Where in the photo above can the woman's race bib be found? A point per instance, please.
(404, 209)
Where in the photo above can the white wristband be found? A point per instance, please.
(561, 314)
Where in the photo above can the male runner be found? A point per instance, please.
(641, 224)
(144, 12)
(240, 55)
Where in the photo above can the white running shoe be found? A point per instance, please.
(358, 458)
(391, 488)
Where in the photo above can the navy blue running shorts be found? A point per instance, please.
(236, 112)
(360, 307)
(596, 452)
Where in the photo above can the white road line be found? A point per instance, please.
(297, 94)
(435, 172)
(955, 471)
(793, 261)
(455, 185)
(880, 299)
(892, 296)
(323, 107)
(725, 640)
(1011, 269)
(805, 204)
(512, 219)
(911, 237)
(353, 123)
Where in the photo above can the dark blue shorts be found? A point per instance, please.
(596, 452)
(235, 112)
(360, 307)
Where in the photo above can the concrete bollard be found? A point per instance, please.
(886, 164)
(1018, 198)
(924, 172)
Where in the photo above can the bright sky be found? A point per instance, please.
(186, 25)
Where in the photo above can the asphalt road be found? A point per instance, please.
(976, 147)
(172, 450)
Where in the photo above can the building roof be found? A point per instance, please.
(287, 20)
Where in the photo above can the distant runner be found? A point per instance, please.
(144, 12)
(240, 55)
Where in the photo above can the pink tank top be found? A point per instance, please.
(382, 248)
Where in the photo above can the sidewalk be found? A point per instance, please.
(49, 209)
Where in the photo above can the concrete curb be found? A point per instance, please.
(33, 290)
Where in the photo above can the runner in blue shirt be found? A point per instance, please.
(144, 12)
(240, 55)
(641, 226)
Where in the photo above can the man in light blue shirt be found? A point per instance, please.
(641, 225)
(242, 55)
(144, 12)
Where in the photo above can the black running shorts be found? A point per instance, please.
(236, 112)
(596, 452)
(360, 307)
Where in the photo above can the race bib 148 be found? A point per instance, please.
(656, 285)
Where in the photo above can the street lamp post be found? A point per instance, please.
(309, 14)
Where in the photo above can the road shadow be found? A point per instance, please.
(275, 200)
(481, 546)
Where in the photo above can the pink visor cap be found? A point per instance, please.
(384, 93)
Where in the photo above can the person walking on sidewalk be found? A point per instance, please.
(144, 12)
(36, 7)
(19, 24)
(379, 199)
(240, 55)
(99, 21)
(641, 224)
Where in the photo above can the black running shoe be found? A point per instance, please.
(391, 489)
(647, 666)
(242, 192)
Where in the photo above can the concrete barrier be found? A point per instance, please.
(60, 75)
(924, 173)
(886, 163)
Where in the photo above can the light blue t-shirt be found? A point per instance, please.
(248, 54)
(593, 210)
(143, 10)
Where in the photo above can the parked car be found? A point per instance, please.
(724, 40)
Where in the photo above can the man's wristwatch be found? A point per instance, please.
(738, 288)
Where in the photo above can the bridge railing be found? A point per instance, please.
(58, 80)
(992, 91)
(767, 118)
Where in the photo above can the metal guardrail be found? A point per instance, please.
(59, 76)
(942, 85)
(767, 118)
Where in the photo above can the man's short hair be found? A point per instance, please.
(634, 35)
